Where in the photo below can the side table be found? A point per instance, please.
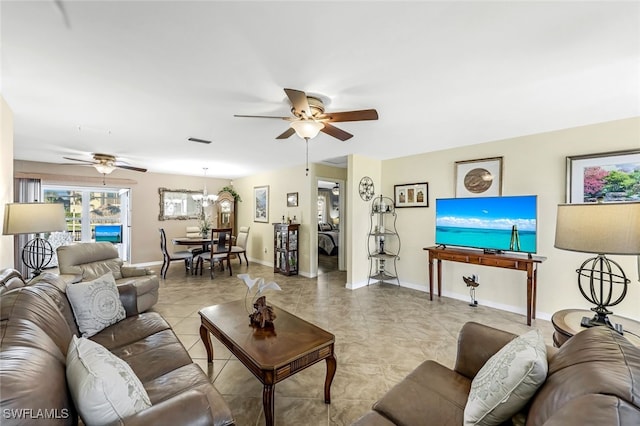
(567, 323)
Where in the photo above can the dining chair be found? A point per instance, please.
(219, 253)
(169, 257)
(241, 244)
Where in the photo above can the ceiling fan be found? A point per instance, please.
(105, 163)
(309, 117)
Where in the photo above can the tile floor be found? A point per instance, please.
(382, 333)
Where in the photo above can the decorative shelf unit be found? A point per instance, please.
(383, 244)
(285, 248)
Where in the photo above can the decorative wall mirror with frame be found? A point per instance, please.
(178, 204)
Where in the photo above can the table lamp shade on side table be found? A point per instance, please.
(34, 218)
(602, 229)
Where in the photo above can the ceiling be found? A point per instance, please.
(138, 78)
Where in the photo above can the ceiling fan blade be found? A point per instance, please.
(135, 169)
(335, 132)
(262, 116)
(286, 133)
(299, 101)
(361, 115)
(82, 161)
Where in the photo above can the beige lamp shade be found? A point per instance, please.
(607, 228)
(32, 218)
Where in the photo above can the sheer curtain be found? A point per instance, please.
(25, 191)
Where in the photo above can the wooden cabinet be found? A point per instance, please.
(285, 248)
(226, 209)
(383, 243)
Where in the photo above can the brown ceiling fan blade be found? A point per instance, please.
(287, 133)
(82, 161)
(299, 101)
(261, 116)
(361, 115)
(335, 132)
(135, 169)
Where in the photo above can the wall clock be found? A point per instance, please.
(366, 188)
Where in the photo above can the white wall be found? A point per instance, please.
(532, 164)
(6, 178)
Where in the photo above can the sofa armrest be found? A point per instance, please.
(129, 298)
(476, 344)
(134, 271)
(187, 408)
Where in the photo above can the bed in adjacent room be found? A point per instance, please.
(327, 239)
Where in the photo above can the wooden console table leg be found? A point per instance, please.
(439, 277)
(529, 293)
(535, 291)
(430, 277)
(331, 371)
(268, 403)
(206, 339)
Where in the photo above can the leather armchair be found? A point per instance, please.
(88, 261)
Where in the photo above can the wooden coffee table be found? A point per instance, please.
(271, 354)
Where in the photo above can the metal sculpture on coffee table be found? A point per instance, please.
(262, 314)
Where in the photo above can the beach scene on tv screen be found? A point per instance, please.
(496, 223)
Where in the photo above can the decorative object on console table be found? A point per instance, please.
(383, 254)
(411, 195)
(479, 178)
(609, 177)
(285, 248)
(261, 204)
(34, 218)
(600, 228)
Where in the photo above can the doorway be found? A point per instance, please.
(330, 205)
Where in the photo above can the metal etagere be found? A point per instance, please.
(383, 244)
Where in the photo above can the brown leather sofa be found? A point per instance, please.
(88, 261)
(593, 379)
(36, 326)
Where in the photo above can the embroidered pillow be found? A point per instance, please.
(104, 388)
(507, 381)
(96, 304)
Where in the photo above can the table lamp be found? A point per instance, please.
(34, 218)
(602, 228)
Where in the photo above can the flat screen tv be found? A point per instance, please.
(108, 233)
(490, 223)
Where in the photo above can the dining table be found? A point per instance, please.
(191, 241)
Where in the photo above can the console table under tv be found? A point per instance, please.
(527, 263)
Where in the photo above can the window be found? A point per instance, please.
(87, 207)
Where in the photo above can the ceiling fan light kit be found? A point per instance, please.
(307, 129)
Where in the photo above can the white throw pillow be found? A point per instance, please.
(507, 380)
(104, 388)
(96, 304)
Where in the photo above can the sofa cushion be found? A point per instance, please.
(96, 304)
(507, 381)
(431, 391)
(103, 387)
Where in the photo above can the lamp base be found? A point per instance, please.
(36, 254)
(601, 320)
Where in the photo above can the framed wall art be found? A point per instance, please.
(261, 203)
(605, 177)
(411, 195)
(479, 178)
(292, 199)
